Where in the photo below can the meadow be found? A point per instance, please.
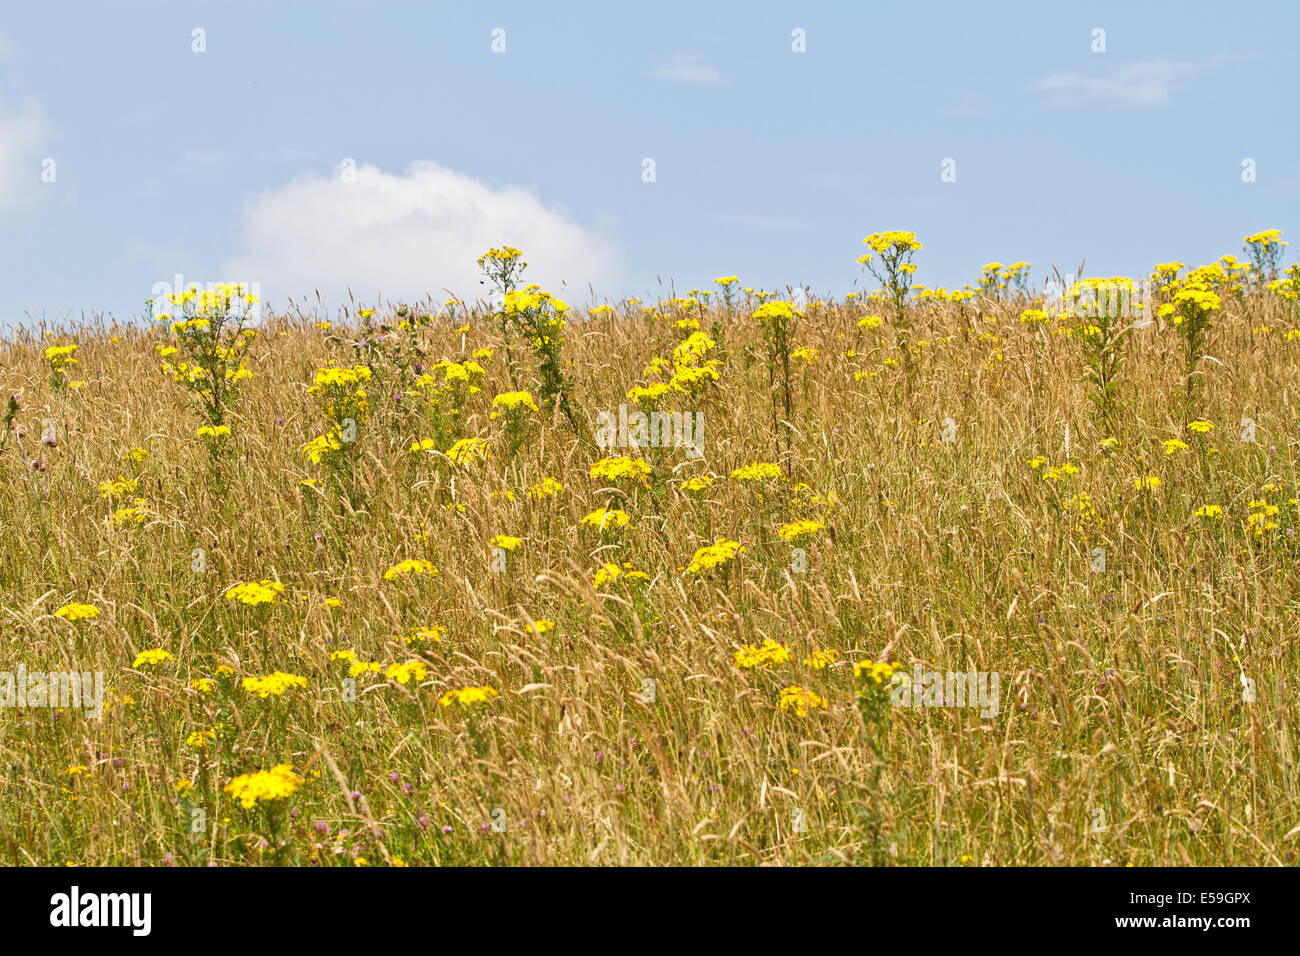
(387, 587)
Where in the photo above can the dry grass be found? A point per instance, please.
(1120, 691)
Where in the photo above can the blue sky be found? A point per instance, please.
(228, 165)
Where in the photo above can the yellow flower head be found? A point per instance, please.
(758, 471)
(715, 555)
(118, 489)
(278, 783)
(877, 671)
(508, 402)
(273, 684)
(77, 612)
(320, 446)
(775, 312)
(431, 633)
(152, 658)
(648, 393)
(620, 469)
(199, 739)
(60, 356)
(603, 518)
(819, 660)
(545, 488)
(468, 451)
(800, 701)
(609, 572)
(405, 673)
(801, 529)
(893, 239)
(255, 593)
(409, 567)
(768, 654)
(467, 696)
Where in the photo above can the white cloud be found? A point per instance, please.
(22, 134)
(405, 236)
(1144, 83)
(688, 69)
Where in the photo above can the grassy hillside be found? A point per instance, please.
(477, 666)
